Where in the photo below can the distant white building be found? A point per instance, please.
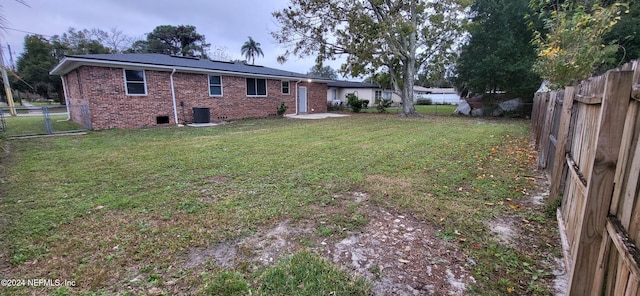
(437, 95)
(338, 91)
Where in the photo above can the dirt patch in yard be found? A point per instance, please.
(401, 256)
(518, 228)
(397, 253)
(504, 230)
(261, 249)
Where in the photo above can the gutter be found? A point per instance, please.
(173, 98)
(66, 98)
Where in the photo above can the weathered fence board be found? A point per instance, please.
(559, 168)
(539, 114)
(589, 145)
(600, 173)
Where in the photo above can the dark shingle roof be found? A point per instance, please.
(352, 84)
(161, 60)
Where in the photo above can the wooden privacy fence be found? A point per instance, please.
(587, 138)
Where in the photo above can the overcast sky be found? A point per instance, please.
(225, 23)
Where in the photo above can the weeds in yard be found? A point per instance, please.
(375, 270)
(227, 283)
(113, 206)
(306, 273)
(552, 208)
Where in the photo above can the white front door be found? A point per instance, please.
(302, 99)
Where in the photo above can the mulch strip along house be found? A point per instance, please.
(146, 90)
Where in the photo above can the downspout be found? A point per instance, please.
(296, 99)
(66, 99)
(173, 98)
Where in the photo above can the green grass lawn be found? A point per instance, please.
(35, 125)
(46, 104)
(19, 109)
(121, 209)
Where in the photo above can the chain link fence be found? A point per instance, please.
(44, 120)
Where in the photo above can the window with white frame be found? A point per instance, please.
(215, 85)
(386, 95)
(135, 82)
(256, 87)
(285, 87)
(378, 95)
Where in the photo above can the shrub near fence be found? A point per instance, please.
(587, 137)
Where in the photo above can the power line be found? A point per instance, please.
(23, 3)
(32, 33)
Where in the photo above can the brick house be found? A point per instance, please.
(146, 90)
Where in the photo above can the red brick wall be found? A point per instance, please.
(103, 90)
(74, 91)
(193, 90)
(315, 91)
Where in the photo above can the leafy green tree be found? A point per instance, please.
(626, 35)
(34, 64)
(180, 40)
(438, 79)
(325, 72)
(93, 41)
(251, 49)
(41, 55)
(499, 54)
(139, 46)
(75, 42)
(381, 79)
(571, 46)
(393, 36)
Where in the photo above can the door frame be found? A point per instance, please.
(299, 99)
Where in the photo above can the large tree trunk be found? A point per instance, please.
(409, 66)
(408, 74)
(407, 89)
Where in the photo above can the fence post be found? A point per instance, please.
(47, 121)
(536, 113)
(561, 147)
(546, 130)
(588, 239)
(86, 116)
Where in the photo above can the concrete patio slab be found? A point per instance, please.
(315, 115)
(201, 124)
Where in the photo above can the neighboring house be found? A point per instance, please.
(437, 95)
(145, 90)
(338, 91)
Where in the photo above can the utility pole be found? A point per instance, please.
(7, 87)
(13, 65)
